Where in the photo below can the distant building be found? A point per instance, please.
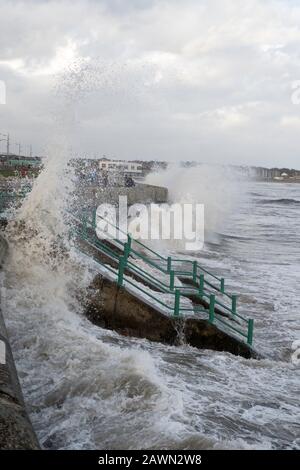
(130, 168)
(274, 173)
(16, 161)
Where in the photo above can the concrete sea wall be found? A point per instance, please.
(114, 307)
(16, 431)
(140, 193)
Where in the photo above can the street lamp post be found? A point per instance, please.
(7, 141)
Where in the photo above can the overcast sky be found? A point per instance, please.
(207, 80)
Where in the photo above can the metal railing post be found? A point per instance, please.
(234, 302)
(223, 285)
(94, 218)
(201, 285)
(122, 263)
(169, 264)
(172, 280)
(212, 301)
(126, 250)
(129, 240)
(195, 267)
(177, 303)
(127, 247)
(250, 331)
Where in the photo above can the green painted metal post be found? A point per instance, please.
(212, 301)
(122, 263)
(201, 285)
(94, 218)
(250, 331)
(126, 250)
(195, 267)
(223, 285)
(234, 302)
(177, 303)
(172, 280)
(169, 264)
(129, 241)
(127, 247)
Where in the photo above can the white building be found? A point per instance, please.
(117, 166)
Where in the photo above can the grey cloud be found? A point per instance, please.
(166, 79)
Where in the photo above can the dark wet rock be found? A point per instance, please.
(112, 307)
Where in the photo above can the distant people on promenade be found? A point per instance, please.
(129, 183)
(105, 179)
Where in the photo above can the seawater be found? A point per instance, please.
(90, 388)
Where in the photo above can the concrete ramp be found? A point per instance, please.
(116, 308)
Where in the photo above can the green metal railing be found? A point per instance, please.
(202, 288)
(196, 271)
(160, 261)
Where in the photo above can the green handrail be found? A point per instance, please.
(195, 265)
(169, 261)
(171, 289)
